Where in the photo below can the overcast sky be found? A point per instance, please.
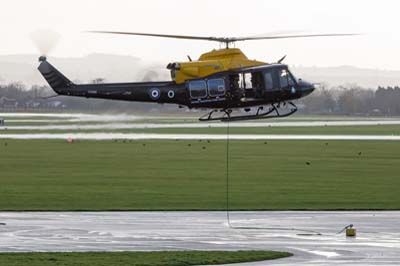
(378, 20)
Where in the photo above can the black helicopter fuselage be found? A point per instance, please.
(240, 88)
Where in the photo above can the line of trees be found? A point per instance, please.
(353, 100)
(344, 100)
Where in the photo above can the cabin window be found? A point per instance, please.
(286, 78)
(216, 87)
(256, 80)
(268, 80)
(247, 80)
(198, 89)
(283, 78)
(291, 80)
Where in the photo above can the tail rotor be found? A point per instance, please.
(45, 41)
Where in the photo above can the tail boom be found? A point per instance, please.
(159, 92)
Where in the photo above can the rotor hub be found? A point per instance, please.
(42, 58)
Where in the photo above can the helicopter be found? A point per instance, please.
(221, 81)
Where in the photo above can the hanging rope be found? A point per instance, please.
(227, 171)
(304, 232)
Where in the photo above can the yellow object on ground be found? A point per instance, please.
(351, 232)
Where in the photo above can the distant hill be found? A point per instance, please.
(115, 68)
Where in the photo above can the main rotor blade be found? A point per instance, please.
(271, 37)
(163, 35)
(226, 39)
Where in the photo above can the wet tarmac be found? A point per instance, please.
(377, 241)
(154, 136)
(81, 121)
(65, 116)
(108, 124)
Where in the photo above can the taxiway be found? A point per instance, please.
(377, 241)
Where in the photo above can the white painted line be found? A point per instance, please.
(144, 136)
(110, 124)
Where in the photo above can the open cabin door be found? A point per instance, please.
(249, 85)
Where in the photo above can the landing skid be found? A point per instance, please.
(273, 112)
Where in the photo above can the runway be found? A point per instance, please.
(108, 124)
(80, 121)
(154, 136)
(377, 242)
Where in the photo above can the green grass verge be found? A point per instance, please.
(327, 130)
(161, 258)
(190, 175)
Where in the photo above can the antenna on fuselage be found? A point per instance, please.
(281, 60)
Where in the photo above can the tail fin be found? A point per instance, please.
(57, 81)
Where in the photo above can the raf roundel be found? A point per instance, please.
(171, 94)
(155, 93)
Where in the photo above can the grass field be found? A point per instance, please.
(190, 175)
(167, 258)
